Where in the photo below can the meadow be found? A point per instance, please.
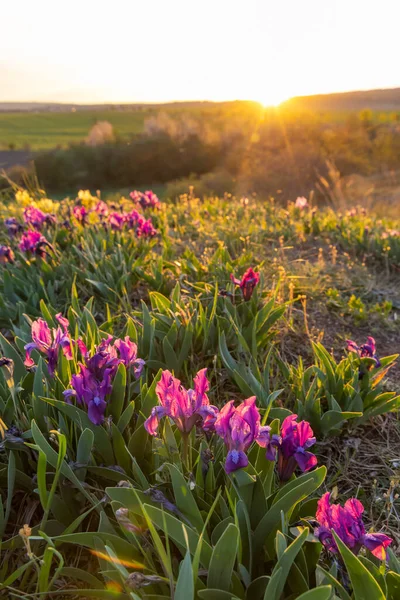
(198, 398)
(47, 130)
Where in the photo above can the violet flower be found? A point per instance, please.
(6, 255)
(185, 407)
(248, 282)
(12, 226)
(116, 220)
(94, 381)
(346, 521)
(134, 219)
(36, 218)
(367, 350)
(49, 342)
(101, 209)
(146, 229)
(128, 355)
(34, 242)
(296, 438)
(81, 214)
(91, 391)
(147, 199)
(239, 427)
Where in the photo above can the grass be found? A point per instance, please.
(326, 276)
(43, 131)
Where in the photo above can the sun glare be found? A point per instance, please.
(272, 98)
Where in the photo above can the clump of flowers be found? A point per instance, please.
(239, 427)
(346, 521)
(35, 243)
(292, 449)
(248, 282)
(93, 383)
(185, 407)
(6, 255)
(367, 350)
(49, 342)
(36, 218)
(146, 199)
(13, 226)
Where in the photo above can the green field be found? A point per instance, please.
(49, 129)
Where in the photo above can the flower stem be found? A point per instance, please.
(185, 450)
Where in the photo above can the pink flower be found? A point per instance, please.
(248, 282)
(116, 220)
(301, 203)
(81, 214)
(346, 521)
(146, 229)
(367, 350)
(48, 342)
(128, 355)
(35, 217)
(185, 407)
(34, 242)
(296, 438)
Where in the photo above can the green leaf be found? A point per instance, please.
(364, 584)
(320, 593)
(10, 352)
(393, 586)
(283, 566)
(223, 559)
(101, 440)
(216, 595)
(117, 397)
(271, 521)
(184, 589)
(333, 581)
(184, 499)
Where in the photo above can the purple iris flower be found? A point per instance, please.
(48, 342)
(134, 219)
(6, 255)
(94, 381)
(146, 199)
(91, 391)
(185, 407)
(81, 214)
(367, 350)
(35, 243)
(293, 450)
(101, 209)
(116, 220)
(36, 218)
(13, 227)
(146, 229)
(239, 427)
(346, 521)
(128, 355)
(248, 282)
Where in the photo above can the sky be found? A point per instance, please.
(88, 51)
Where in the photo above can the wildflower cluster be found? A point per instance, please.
(93, 383)
(146, 199)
